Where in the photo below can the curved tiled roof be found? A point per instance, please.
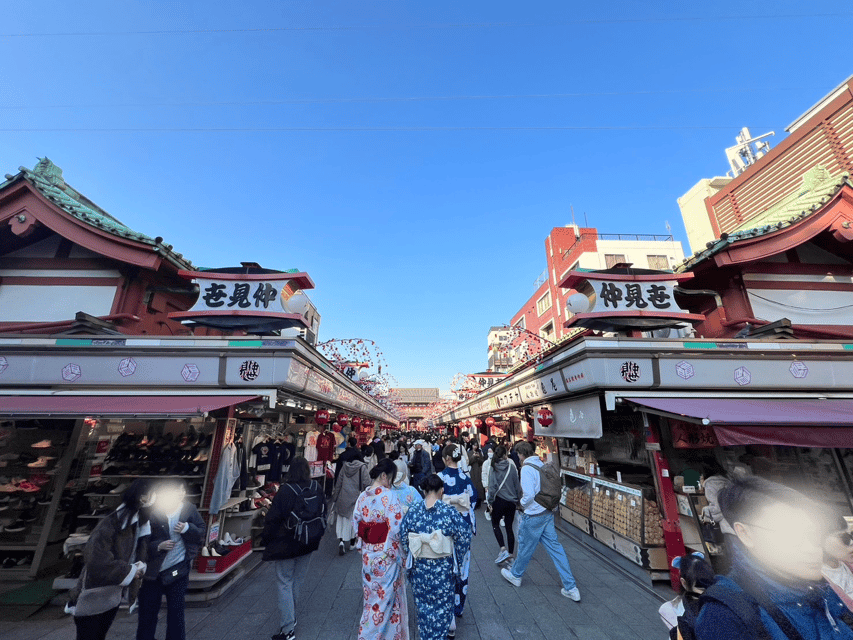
(47, 179)
(818, 188)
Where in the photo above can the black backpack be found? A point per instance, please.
(307, 519)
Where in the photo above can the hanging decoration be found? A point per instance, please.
(490, 421)
(342, 420)
(478, 423)
(321, 417)
(356, 422)
(545, 417)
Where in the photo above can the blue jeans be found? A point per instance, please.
(150, 595)
(290, 573)
(533, 530)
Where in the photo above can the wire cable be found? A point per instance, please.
(355, 129)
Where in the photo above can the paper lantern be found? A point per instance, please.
(343, 419)
(321, 417)
(490, 421)
(478, 423)
(355, 422)
(545, 417)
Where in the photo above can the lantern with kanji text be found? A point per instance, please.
(545, 417)
(355, 422)
(321, 417)
(343, 420)
(490, 422)
(478, 423)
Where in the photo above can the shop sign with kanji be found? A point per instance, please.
(690, 435)
(606, 296)
(248, 299)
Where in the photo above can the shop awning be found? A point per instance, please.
(114, 406)
(774, 421)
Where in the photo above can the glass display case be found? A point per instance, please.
(623, 509)
(576, 492)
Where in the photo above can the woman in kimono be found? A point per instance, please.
(459, 492)
(376, 519)
(406, 493)
(434, 535)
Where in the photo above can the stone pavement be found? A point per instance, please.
(612, 607)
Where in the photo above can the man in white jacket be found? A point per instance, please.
(537, 525)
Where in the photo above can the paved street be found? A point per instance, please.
(612, 607)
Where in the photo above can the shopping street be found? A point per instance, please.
(612, 607)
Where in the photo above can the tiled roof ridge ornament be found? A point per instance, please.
(814, 177)
(48, 171)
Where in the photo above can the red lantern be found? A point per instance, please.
(343, 420)
(355, 422)
(321, 417)
(478, 423)
(545, 417)
(490, 421)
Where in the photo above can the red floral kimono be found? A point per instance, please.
(377, 518)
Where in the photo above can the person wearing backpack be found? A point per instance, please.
(537, 521)
(679, 614)
(775, 589)
(294, 526)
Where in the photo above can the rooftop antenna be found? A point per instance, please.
(746, 152)
(668, 228)
(585, 222)
(573, 215)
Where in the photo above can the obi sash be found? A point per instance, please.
(461, 502)
(373, 532)
(430, 545)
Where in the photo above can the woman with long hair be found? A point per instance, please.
(434, 535)
(459, 492)
(504, 493)
(115, 558)
(377, 518)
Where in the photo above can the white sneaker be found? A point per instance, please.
(503, 555)
(572, 594)
(507, 574)
(488, 515)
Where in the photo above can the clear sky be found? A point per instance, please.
(410, 156)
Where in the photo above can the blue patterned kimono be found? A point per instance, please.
(457, 481)
(432, 579)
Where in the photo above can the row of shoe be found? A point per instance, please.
(23, 485)
(129, 447)
(221, 547)
(17, 562)
(158, 467)
(25, 459)
(102, 487)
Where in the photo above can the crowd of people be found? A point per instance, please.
(409, 510)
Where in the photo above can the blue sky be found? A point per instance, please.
(411, 157)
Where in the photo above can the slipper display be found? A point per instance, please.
(44, 444)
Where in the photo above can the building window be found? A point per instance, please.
(612, 259)
(544, 303)
(661, 263)
(547, 332)
(520, 324)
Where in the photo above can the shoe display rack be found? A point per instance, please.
(33, 465)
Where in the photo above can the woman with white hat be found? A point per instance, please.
(406, 493)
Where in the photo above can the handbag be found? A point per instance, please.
(711, 532)
(171, 574)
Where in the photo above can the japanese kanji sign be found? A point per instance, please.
(689, 435)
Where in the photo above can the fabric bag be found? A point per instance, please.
(550, 486)
(307, 519)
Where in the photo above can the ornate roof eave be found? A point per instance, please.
(48, 186)
(834, 213)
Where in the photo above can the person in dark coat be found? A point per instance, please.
(352, 452)
(290, 555)
(177, 533)
(421, 465)
(115, 558)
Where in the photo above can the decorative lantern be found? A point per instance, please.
(544, 417)
(355, 422)
(478, 423)
(321, 417)
(368, 425)
(343, 420)
(490, 421)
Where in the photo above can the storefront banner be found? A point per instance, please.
(578, 377)
(297, 376)
(543, 387)
(689, 435)
(579, 418)
(819, 437)
(509, 399)
(751, 371)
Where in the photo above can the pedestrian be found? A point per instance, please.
(775, 588)
(403, 449)
(406, 493)
(378, 447)
(434, 535)
(537, 525)
(437, 458)
(679, 614)
(352, 452)
(484, 480)
(115, 562)
(352, 480)
(291, 534)
(377, 518)
(177, 534)
(504, 494)
(463, 444)
(513, 455)
(837, 561)
(475, 460)
(421, 464)
(460, 493)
